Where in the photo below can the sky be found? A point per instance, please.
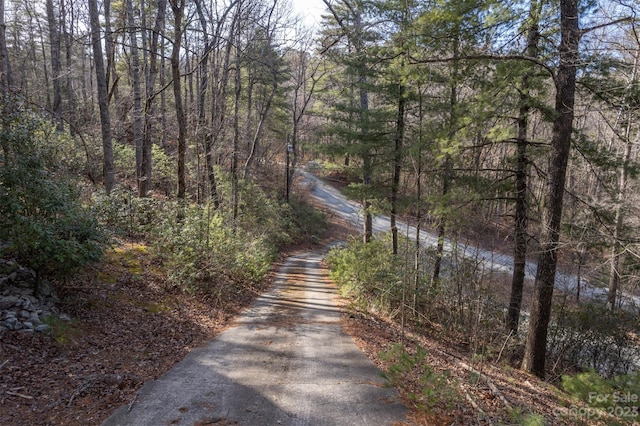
(310, 10)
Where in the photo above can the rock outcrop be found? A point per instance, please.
(21, 309)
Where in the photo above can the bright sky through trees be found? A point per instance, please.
(309, 10)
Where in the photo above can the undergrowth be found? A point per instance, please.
(202, 246)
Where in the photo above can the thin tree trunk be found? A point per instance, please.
(6, 109)
(101, 82)
(367, 165)
(178, 10)
(142, 179)
(56, 64)
(418, 243)
(109, 45)
(5, 64)
(447, 166)
(236, 137)
(536, 345)
(623, 180)
(68, 37)
(521, 221)
(146, 166)
(202, 122)
(255, 141)
(397, 167)
(303, 93)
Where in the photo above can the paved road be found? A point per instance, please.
(285, 361)
(490, 262)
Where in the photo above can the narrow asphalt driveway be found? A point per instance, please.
(285, 361)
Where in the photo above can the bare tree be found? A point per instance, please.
(103, 98)
(177, 6)
(142, 179)
(306, 76)
(56, 63)
(626, 114)
(149, 109)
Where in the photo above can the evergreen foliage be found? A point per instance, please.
(44, 224)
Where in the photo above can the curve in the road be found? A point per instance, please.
(488, 259)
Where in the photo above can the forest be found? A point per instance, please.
(182, 126)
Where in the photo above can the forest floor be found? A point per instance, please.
(128, 328)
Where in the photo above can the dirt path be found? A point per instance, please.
(285, 361)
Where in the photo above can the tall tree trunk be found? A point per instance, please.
(5, 81)
(303, 92)
(221, 71)
(103, 102)
(56, 63)
(442, 221)
(202, 93)
(418, 244)
(255, 140)
(68, 38)
(142, 179)
(151, 76)
(397, 166)
(236, 136)
(367, 166)
(623, 181)
(177, 6)
(109, 46)
(521, 221)
(446, 169)
(163, 96)
(536, 345)
(5, 63)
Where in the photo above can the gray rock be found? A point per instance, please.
(27, 305)
(25, 276)
(27, 324)
(12, 323)
(25, 291)
(35, 319)
(43, 328)
(10, 314)
(64, 317)
(25, 314)
(7, 301)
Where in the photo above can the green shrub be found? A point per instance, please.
(200, 248)
(43, 222)
(616, 398)
(304, 220)
(124, 213)
(368, 273)
(428, 388)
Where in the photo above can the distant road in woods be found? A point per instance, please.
(490, 262)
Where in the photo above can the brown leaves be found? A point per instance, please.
(126, 328)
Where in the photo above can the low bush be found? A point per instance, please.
(43, 223)
(428, 387)
(615, 399)
(200, 249)
(367, 273)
